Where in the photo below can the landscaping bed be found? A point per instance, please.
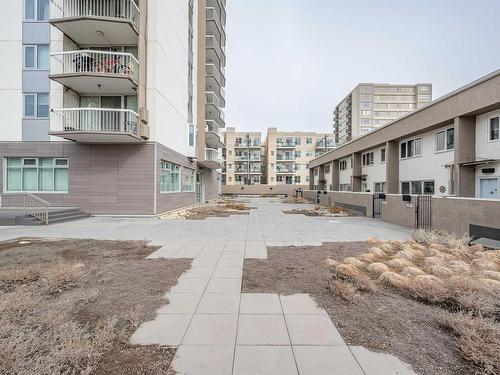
(70, 306)
(320, 211)
(219, 209)
(432, 334)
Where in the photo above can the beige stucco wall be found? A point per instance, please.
(343, 199)
(261, 189)
(396, 211)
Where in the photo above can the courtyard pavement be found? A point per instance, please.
(218, 329)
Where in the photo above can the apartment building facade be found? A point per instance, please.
(243, 158)
(371, 105)
(109, 121)
(451, 147)
(281, 159)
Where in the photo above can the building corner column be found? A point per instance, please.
(463, 183)
(356, 172)
(392, 167)
(311, 178)
(335, 175)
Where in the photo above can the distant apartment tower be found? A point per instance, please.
(243, 158)
(371, 105)
(108, 121)
(282, 159)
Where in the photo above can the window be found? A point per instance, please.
(417, 187)
(36, 174)
(297, 179)
(445, 140)
(170, 180)
(36, 10)
(279, 178)
(191, 135)
(315, 171)
(494, 129)
(188, 179)
(411, 148)
(297, 141)
(297, 166)
(327, 168)
(307, 178)
(36, 57)
(367, 159)
(36, 105)
(309, 141)
(343, 165)
(382, 155)
(309, 154)
(297, 154)
(344, 187)
(379, 187)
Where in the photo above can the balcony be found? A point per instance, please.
(97, 125)
(213, 138)
(213, 159)
(215, 26)
(91, 72)
(213, 110)
(213, 88)
(214, 51)
(285, 144)
(97, 22)
(285, 157)
(246, 144)
(218, 74)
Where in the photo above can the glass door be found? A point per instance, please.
(89, 119)
(111, 120)
(488, 188)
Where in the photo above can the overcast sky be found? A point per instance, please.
(289, 62)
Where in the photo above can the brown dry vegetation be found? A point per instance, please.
(295, 200)
(319, 211)
(437, 269)
(70, 306)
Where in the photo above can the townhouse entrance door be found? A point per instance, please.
(488, 188)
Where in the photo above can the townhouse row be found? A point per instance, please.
(450, 147)
(114, 106)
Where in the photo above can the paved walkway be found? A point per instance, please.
(220, 330)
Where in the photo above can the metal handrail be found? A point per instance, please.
(29, 203)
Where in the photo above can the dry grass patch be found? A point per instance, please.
(320, 211)
(68, 307)
(221, 209)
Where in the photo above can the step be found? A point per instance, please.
(81, 215)
(64, 214)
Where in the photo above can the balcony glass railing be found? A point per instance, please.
(211, 154)
(98, 120)
(95, 62)
(120, 9)
(211, 42)
(212, 71)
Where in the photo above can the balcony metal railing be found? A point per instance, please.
(101, 62)
(99, 120)
(121, 9)
(285, 157)
(213, 15)
(212, 98)
(29, 203)
(211, 154)
(285, 144)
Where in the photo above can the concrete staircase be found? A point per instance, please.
(56, 215)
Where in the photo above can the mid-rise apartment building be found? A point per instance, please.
(451, 147)
(371, 105)
(282, 159)
(122, 116)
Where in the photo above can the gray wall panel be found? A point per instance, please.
(36, 32)
(35, 130)
(36, 81)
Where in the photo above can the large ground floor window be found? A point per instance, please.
(188, 180)
(170, 177)
(36, 174)
(344, 187)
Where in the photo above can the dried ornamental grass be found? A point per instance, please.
(349, 272)
(410, 254)
(399, 263)
(344, 290)
(493, 275)
(367, 257)
(440, 271)
(412, 271)
(483, 264)
(459, 267)
(332, 262)
(428, 288)
(394, 279)
(378, 252)
(376, 269)
(355, 262)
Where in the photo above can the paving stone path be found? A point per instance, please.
(219, 330)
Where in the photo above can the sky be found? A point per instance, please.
(289, 62)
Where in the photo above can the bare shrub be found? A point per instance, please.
(317, 207)
(394, 279)
(478, 340)
(344, 290)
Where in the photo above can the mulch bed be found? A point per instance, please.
(381, 321)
